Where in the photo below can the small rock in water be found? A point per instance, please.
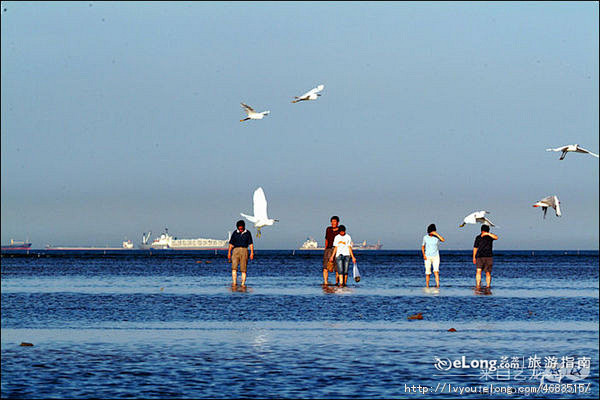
(451, 330)
(416, 316)
(26, 344)
(162, 289)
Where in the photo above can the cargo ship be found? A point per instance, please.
(168, 242)
(15, 245)
(126, 245)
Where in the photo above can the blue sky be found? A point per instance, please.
(119, 118)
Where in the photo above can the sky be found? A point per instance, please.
(124, 117)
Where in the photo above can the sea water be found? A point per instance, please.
(170, 325)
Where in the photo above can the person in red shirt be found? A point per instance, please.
(330, 234)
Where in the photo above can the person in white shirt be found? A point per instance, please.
(342, 247)
(431, 254)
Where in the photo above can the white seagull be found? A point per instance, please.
(252, 114)
(259, 219)
(477, 216)
(550, 201)
(571, 147)
(312, 94)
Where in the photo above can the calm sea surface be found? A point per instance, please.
(170, 326)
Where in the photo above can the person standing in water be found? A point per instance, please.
(330, 234)
(342, 247)
(482, 255)
(240, 240)
(431, 254)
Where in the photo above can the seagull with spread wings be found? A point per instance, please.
(312, 94)
(550, 201)
(260, 218)
(477, 217)
(571, 148)
(252, 114)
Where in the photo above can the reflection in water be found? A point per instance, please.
(239, 289)
(482, 291)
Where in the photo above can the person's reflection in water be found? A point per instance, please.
(241, 289)
(328, 289)
(482, 291)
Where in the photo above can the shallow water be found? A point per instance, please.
(170, 326)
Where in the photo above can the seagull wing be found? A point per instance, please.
(487, 221)
(548, 200)
(307, 94)
(316, 90)
(260, 204)
(557, 208)
(562, 148)
(562, 156)
(247, 108)
(313, 91)
(249, 218)
(582, 150)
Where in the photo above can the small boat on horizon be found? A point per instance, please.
(17, 245)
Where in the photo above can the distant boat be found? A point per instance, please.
(16, 245)
(310, 244)
(168, 242)
(126, 245)
(365, 246)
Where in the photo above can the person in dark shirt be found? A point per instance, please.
(482, 255)
(330, 234)
(240, 240)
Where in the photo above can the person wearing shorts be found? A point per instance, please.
(483, 256)
(240, 240)
(342, 251)
(431, 254)
(330, 234)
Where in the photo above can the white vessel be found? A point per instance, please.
(310, 244)
(365, 246)
(166, 241)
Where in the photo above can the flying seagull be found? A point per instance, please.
(477, 216)
(550, 201)
(571, 147)
(259, 219)
(252, 114)
(312, 94)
